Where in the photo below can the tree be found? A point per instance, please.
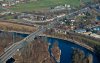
(96, 1)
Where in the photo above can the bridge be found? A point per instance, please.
(10, 51)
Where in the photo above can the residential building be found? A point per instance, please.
(80, 31)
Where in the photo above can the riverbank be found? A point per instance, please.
(72, 41)
(37, 52)
(66, 48)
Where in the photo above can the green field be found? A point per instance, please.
(43, 4)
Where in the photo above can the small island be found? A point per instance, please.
(56, 52)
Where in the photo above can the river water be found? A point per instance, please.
(66, 48)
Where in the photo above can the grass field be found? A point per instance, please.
(43, 4)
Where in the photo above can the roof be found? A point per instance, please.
(96, 28)
(80, 30)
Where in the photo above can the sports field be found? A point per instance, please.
(43, 4)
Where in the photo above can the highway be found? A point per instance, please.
(9, 52)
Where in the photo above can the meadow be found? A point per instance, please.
(43, 4)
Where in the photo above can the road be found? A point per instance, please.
(31, 22)
(9, 52)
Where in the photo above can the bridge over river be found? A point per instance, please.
(10, 51)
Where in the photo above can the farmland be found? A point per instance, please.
(43, 4)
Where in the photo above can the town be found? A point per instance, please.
(78, 23)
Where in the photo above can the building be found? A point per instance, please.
(80, 31)
(58, 8)
(1, 0)
(98, 18)
(96, 28)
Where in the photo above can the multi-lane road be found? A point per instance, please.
(9, 52)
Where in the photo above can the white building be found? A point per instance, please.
(1, 0)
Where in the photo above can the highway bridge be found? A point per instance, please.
(9, 52)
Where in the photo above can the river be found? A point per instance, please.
(66, 48)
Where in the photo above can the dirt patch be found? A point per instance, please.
(16, 27)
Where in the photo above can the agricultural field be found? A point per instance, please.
(43, 4)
